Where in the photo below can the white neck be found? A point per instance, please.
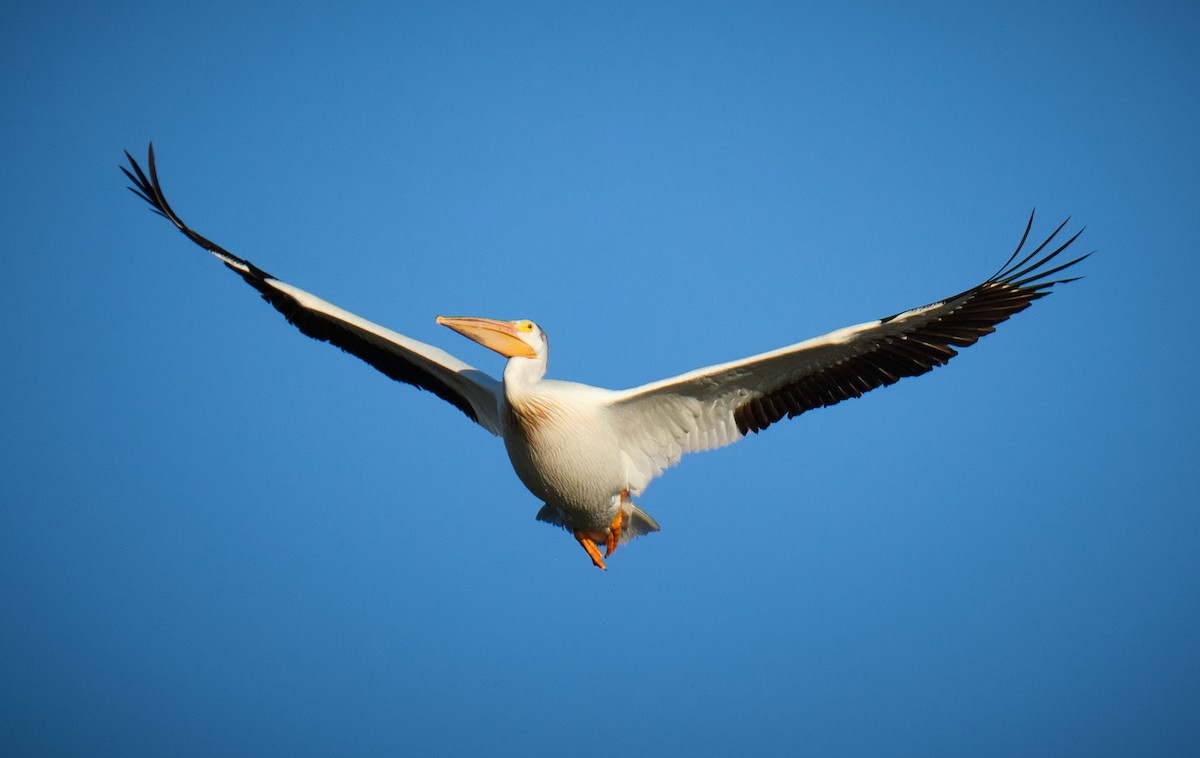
(523, 373)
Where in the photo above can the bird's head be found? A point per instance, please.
(512, 339)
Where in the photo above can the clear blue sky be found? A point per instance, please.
(218, 537)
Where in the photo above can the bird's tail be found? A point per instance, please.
(637, 522)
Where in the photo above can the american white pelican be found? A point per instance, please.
(586, 451)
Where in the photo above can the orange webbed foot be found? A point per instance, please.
(590, 546)
(614, 534)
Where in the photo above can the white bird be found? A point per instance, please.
(585, 452)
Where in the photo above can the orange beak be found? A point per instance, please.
(501, 336)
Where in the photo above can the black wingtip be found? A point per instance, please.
(146, 186)
(1021, 244)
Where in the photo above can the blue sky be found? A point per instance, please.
(220, 537)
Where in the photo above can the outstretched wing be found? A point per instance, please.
(720, 404)
(401, 358)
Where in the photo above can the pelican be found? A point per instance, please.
(586, 452)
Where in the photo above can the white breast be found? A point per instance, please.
(563, 446)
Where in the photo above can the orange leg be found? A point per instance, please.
(614, 534)
(590, 546)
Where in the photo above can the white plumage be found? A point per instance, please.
(585, 452)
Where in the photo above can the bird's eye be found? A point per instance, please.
(526, 326)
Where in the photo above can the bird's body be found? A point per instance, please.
(564, 449)
(585, 452)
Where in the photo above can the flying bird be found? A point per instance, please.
(586, 452)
